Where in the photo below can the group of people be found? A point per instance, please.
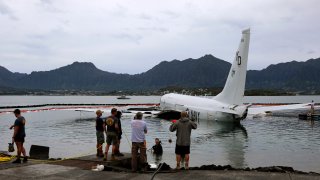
(112, 127)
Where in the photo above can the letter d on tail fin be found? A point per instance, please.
(233, 90)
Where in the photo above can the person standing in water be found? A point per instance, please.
(312, 107)
(183, 127)
(157, 148)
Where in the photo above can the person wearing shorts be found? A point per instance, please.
(117, 151)
(183, 127)
(112, 138)
(112, 131)
(19, 135)
(100, 128)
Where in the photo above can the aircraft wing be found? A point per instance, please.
(125, 111)
(89, 109)
(222, 109)
(268, 109)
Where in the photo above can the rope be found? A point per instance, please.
(129, 142)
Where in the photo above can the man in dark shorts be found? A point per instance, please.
(117, 151)
(112, 132)
(100, 128)
(183, 127)
(19, 135)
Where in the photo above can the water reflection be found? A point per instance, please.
(229, 128)
(231, 138)
(157, 158)
(311, 123)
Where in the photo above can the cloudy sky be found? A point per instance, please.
(127, 36)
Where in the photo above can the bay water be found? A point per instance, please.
(258, 141)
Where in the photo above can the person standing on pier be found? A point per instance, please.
(112, 132)
(117, 151)
(19, 135)
(183, 127)
(100, 128)
(139, 129)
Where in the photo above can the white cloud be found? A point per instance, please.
(132, 36)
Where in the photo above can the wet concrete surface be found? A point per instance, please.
(50, 171)
(80, 168)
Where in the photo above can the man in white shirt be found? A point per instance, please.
(139, 129)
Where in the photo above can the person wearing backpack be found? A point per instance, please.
(112, 131)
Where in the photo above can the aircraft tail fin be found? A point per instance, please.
(233, 90)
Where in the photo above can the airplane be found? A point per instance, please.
(228, 105)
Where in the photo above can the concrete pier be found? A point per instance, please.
(80, 168)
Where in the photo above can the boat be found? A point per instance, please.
(123, 97)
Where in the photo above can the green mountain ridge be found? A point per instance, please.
(207, 71)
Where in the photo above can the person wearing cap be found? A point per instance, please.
(112, 131)
(183, 127)
(100, 128)
(139, 129)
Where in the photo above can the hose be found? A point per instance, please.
(158, 169)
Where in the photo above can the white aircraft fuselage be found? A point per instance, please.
(226, 106)
(202, 108)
